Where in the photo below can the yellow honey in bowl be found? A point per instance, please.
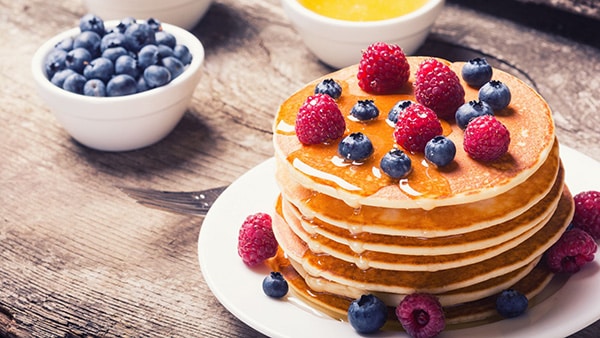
(362, 10)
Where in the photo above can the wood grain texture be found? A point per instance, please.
(78, 258)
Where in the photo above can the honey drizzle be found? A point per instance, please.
(321, 161)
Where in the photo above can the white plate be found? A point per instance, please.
(575, 306)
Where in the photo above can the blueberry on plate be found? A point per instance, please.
(396, 164)
(440, 151)
(367, 314)
(364, 110)
(496, 94)
(511, 303)
(470, 110)
(355, 147)
(476, 72)
(274, 285)
(120, 85)
(329, 87)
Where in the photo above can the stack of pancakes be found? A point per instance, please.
(463, 232)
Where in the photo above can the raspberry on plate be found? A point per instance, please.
(256, 241)
(319, 120)
(587, 212)
(486, 139)
(421, 315)
(574, 249)
(415, 127)
(439, 88)
(383, 68)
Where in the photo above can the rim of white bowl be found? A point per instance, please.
(427, 7)
(134, 5)
(39, 73)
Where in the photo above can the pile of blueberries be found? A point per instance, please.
(130, 58)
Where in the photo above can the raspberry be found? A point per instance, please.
(421, 315)
(415, 127)
(438, 87)
(256, 241)
(383, 68)
(587, 212)
(486, 139)
(319, 120)
(574, 248)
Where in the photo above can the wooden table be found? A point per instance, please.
(78, 258)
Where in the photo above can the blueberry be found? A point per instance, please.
(367, 314)
(126, 64)
(88, 40)
(77, 59)
(156, 76)
(74, 83)
(155, 24)
(94, 87)
(121, 84)
(91, 22)
(112, 40)
(55, 61)
(470, 110)
(137, 35)
(141, 85)
(124, 23)
(182, 53)
(396, 164)
(329, 87)
(398, 108)
(147, 56)
(165, 38)
(99, 68)
(364, 110)
(65, 44)
(114, 52)
(511, 303)
(496, 94)
(59, 77)
(440, 151)
(164, 51)
(355, 147)
(274, 285)
(174, 66)
(476, 72)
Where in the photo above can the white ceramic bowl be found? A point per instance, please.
(182, 13)
(125, 122)
(339, 43)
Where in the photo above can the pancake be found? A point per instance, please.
(435, 282)
(466, 217)
(463, 232)
(466, 181)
